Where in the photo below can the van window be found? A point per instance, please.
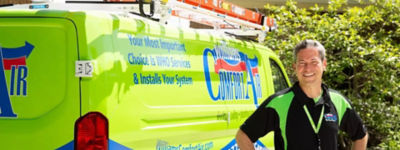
(278, 77)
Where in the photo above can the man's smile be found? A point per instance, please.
(308, 74)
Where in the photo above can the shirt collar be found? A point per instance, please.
(304, 99)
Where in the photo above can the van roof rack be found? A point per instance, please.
(218, 15)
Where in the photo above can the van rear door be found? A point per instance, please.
(39, 100)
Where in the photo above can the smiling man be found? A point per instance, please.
(307, 116)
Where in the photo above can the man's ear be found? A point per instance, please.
(324, 65)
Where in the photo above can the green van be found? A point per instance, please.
(98, 80)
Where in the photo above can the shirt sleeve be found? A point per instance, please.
(353, 125)
(262, 121)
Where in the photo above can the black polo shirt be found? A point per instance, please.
(284, 114)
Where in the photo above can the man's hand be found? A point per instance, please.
(244, 141)
(361, 144)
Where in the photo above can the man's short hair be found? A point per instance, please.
(310, 43)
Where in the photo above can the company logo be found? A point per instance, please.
(237, 74)
(233, 146)
(14, 60)
(330, 117)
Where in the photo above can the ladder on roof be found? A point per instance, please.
(217, 15)
(224, 17)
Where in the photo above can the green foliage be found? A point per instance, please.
(363, 52)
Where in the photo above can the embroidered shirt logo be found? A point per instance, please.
(330, 117)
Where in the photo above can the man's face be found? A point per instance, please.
(309, 67)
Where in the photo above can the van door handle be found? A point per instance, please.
(225, 116)
(228, 118)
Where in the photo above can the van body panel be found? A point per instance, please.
(38, 56)
(160, 87)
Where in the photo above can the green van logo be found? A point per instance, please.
(13, 59)
(236, 71)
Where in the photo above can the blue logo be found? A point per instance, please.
(233, 146)
(236, 71)
(13, 59)
(112, 145)
(330, 117)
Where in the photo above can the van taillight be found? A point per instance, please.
(91, 132)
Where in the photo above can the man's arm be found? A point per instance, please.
(360, 144)
(244, 141)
